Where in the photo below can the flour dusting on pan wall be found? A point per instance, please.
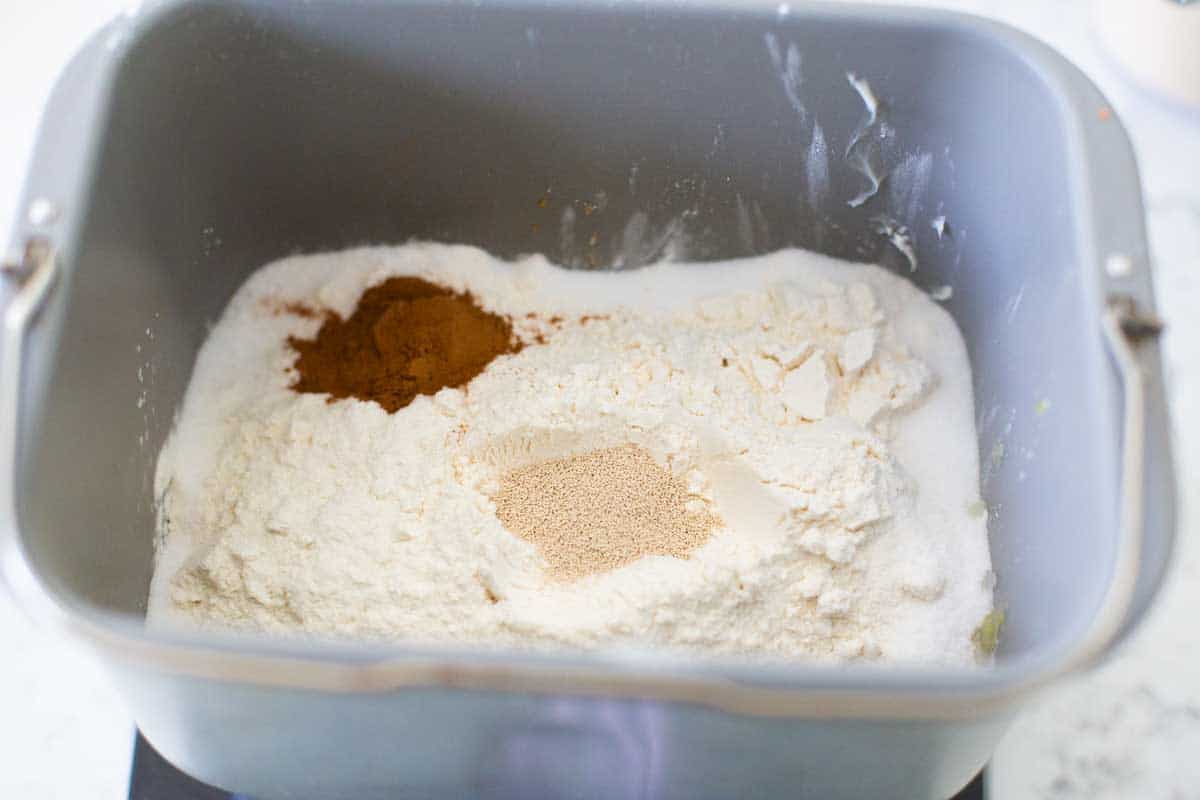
(870, 151)
(892, 198)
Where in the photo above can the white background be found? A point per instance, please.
(1128, 730)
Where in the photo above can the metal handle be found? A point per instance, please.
(33, 276)
(1126, 330)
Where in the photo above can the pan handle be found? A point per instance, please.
(32, 278)
(1131, 335)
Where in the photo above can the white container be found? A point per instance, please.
(1157, 41)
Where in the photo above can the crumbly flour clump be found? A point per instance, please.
(805, 425)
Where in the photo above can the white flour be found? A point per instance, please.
(823, 410)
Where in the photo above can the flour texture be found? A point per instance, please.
(820, 410)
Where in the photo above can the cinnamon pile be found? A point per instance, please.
(407, 337)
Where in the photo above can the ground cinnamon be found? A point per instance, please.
(406, 337)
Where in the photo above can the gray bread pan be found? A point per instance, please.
(192, 142)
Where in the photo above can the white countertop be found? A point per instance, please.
(1130, 729)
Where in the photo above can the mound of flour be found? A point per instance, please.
(822, 411)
